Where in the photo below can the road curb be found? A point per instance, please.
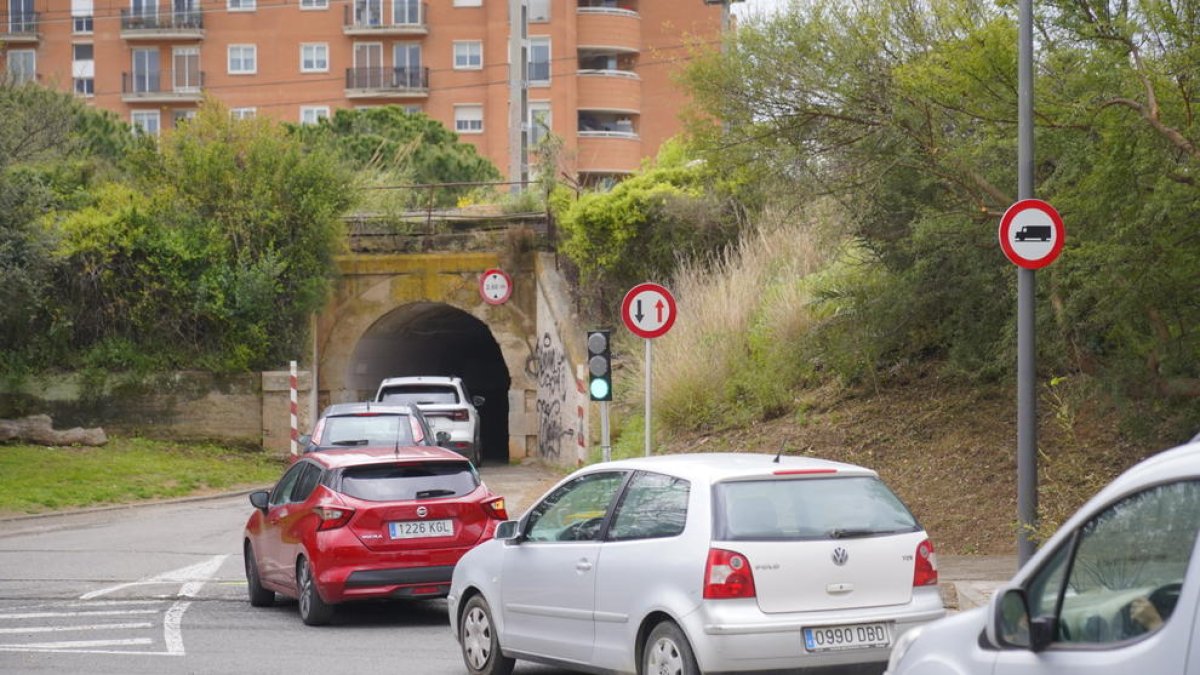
(130, 505)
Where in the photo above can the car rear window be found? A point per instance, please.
(808, 508)
(420, 394)
(369, 429)
(392, 482)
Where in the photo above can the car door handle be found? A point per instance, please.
(583, 565)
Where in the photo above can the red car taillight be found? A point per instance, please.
(459, 416)
(925, 573)
(496, 509)
(727, 575)
(332, 517)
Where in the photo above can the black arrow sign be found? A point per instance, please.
(639, 314)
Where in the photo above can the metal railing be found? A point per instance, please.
(172, 20)
(25, 23)
(151, 83)
(608, 72)
(377, 18)
(388, 79)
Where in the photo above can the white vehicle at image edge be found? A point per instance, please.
(447, 406)
(682, 564)
(1113, 592)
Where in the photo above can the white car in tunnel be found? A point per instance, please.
(447, 405)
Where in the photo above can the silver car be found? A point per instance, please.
(1113, 592)
(685, 564)
(446, 404)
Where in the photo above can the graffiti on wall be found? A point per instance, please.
(555, 382)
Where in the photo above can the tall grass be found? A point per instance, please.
(733, 355)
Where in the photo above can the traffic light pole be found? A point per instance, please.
(605, 439)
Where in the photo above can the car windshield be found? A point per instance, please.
(367, 429)
(391, 482)
(809, 508)
(420, 394)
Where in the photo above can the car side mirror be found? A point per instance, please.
(259, 499)
(1012, 626)
(443, 437)
(304, 441)
(509, 530)
(478, 400)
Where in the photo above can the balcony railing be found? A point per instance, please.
(149, 87)
(385, 81)
(404, 19)
(187, 23)
(19, 27)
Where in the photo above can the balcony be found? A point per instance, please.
(609, 28)
(147, 88)
(407, 18)
(379, 82)
(612, 90)
(19, 28)
(608, 152)
(184, 25)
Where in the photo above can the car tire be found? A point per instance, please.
(668, 652)
(314, 611)
(479, 642)
(259, 596)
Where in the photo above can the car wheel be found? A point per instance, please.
(314, 611)
(480, 644)
(668, 652)
(259, 596)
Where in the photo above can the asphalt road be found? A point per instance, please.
(161, 589)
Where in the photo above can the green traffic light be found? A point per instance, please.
(599, 389)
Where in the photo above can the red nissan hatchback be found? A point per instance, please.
(366, 523)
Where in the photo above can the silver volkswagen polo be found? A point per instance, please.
(683, 564)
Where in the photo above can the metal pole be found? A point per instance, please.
(648, 396)
(518, 93)
(605, 439)
(1026, 287)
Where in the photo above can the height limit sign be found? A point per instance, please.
(648, 310)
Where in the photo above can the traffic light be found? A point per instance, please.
(599, 365)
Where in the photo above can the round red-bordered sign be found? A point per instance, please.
(495, 287)
(1032, 234)
(648, 310)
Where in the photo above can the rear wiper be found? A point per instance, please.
(839, 533)
(440, 492)
(360, 441)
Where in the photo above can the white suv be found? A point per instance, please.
(446, 404)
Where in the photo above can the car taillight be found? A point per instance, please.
(459, 416)
(925, 573)
(332, 517)
(727, 575)
(496, 508)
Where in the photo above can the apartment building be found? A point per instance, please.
(599, 71)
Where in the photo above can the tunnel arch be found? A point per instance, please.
(434, 338)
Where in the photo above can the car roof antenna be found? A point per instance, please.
(782, 447)
(399, 421)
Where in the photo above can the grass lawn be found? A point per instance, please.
(36, 479)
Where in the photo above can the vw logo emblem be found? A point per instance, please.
(840, 556)
(422, 512)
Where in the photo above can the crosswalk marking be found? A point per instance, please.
(57, 629)
(55, 615)
(76, 644)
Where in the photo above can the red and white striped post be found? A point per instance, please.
(295, 427)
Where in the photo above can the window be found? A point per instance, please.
(1127, 570)
(83, 68)
(408, 74)
(182, 116)
(314, 4)
(468, 55)
(283, 489)
(145, 70)
(468, 3)
(539, 60)
(243, 59)
(368, 12)
(314, 58)
(390, 482)
(185, 71)
(306, 483)
(539, 10)
(145, 122)
(468, 119)
(22, 65)
(243, 113)
(241, 5)
(82, 24)
(412, 109)
(311, 114)
(790, 510)
(406, 12)
(654, 506)
(576, 510)
(539, 121)
(81, 16)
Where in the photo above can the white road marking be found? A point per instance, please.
(58, 629)
(193, 577)
(173, 627)
(52, 615)
(79, 644)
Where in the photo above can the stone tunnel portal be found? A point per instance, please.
(428, 338)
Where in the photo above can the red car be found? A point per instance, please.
(366, 523)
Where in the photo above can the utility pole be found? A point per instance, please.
(518, 93)
(1026, 297)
